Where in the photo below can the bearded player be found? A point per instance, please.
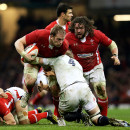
(84, 41)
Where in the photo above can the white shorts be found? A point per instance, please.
(95, 75)
(40, 77)
(75, 95)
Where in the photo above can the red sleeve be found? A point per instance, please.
(3, 109)
(104, 39)
(31, 37)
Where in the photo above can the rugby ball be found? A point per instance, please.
(31, 49)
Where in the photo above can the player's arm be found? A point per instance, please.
(43, 61)
(114, 50)
(8, 119)
(19, 45)
(69, 53)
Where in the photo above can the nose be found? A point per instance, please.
(78, 30)
(60, 42)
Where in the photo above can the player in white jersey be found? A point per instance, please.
(12, 112)
(74, 90)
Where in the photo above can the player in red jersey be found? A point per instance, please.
(64, 16)
(50, 44)
(84, 41)
(11, 112)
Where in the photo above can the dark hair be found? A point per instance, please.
(62, 7)
(56, 29)
(86, 22)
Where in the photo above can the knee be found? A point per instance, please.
(100, 88)
(11, 122)
(29, 80)
(70, 117)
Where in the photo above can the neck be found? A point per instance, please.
(61, 21)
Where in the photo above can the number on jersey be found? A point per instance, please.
(71, 61)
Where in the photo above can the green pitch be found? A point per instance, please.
(123, 114)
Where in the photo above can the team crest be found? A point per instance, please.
(92, 42)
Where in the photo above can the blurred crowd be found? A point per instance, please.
(118, 83)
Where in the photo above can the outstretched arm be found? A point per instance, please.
(114, 50)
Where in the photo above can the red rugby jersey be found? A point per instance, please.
(6, 105)
(87, 52)
(41, 38)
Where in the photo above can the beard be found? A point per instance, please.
(80, 36)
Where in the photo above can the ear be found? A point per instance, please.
(51, 36)
(62, 14)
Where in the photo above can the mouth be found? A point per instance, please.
(79, 34)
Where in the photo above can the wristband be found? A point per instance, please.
(115, 55)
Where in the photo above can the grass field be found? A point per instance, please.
(123, 114)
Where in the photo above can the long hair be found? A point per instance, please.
(88, 24)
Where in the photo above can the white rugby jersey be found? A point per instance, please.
(16, 92)
(67, 70)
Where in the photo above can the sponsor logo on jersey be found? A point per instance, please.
(42, 46)
(85, 55)
(75, 44)
(51, 47)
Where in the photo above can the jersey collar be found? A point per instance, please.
(50, 46)
(84, 39)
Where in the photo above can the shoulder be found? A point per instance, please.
(42, 33)
(51, 25)
(65, 43)
(98, 33)
(69, 35)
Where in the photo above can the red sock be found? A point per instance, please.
(103, 104)
(35, 111)
(35, 99)
(56, 103)
(36, 117)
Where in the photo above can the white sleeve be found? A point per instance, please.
(48, 61)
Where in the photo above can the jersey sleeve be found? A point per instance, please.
(51, 25)
(48, 61)
(32, 37)
(104, 39)
(3, 109)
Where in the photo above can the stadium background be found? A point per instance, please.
(24, 16)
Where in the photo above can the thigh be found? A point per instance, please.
(69, 99)
(98, 74)
(90, 102)
(30, 71)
